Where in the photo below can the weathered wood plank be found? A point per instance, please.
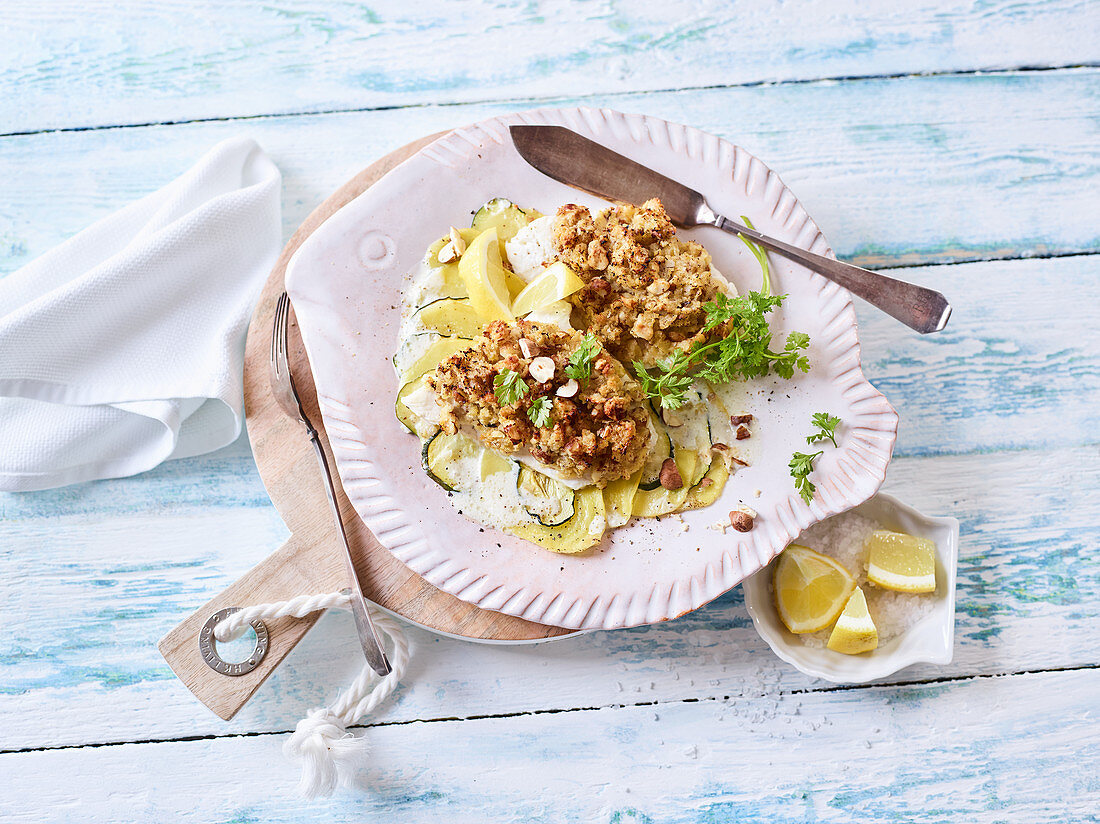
(906, 171)
(1028, 598)
(911, 170)
(1017, 367)
(994, 379)
(142, 63)
(920, 754)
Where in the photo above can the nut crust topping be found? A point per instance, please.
(601, 433)
(645, 287)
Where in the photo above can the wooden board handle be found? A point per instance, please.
(311, 561)
(300, 567)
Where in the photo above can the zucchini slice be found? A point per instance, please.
(508, 219)
(710, 427)
(450, 316)
(649, 503)
(492, 463)
(403, 413)
(401, 356)
(414, 347)
(547, 501)
(439, 454)
(502, 213)
(702, 467)
(435, 354)
(704, 495)
(583, 531)
(690, 433)
(662, 450)
(618, 499)
(705, 455)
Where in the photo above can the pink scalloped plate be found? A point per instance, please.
(346, 282)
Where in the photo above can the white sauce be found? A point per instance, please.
(555, 314)
(532, 248)
(424, 403)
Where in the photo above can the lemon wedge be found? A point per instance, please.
(557, 282)
(483, 273)
(515, 284)
(901, 562)
(854, 632)
(810, 589)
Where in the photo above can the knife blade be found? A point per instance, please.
(576, 161)
(584, 164)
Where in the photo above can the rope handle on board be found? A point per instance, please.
(328, 752)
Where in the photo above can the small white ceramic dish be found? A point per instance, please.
(929, 641)
(347, 280)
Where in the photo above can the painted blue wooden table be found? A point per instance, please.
(955, 143)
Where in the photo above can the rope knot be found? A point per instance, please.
(328, 753)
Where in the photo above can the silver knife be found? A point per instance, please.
(579, 162)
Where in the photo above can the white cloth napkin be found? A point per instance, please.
(124, 346)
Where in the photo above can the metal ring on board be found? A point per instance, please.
(210, 654)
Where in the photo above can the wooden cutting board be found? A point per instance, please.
(310, 561)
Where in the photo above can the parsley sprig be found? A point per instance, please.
(539, 412)
(509, 387)
(670, 380)
(761, 256)
(801, 466)
(743, 353)
(827, 424)
(579, 367)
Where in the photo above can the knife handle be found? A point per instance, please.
(921, 309)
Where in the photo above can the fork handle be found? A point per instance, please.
(921, 309)
(368, 635)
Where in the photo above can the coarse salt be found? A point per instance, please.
(843, 538)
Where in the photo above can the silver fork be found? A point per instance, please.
(282, 384)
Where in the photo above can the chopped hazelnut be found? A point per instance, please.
(542, 369)
(741, 520)
(737, 420)
(597, 256)
(525, 347)
(743, 432)
(599, 286)
(457, 242)
(568, 389)
(670, 475)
